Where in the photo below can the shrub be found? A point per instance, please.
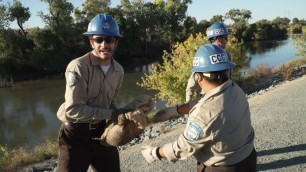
(170, 77)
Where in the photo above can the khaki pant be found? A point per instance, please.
(247, 165)
(77, 150)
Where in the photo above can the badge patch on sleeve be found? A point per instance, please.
(72, 78)
(193, 132)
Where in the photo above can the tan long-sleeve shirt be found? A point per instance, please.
(89, 92)
(218, 130)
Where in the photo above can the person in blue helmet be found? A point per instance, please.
(93, 82)
(217, 34)
(218, 132)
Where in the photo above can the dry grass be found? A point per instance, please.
(254, 75)
(288, 69)
(11, 160)
(261, 71)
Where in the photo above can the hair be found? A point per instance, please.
(212, 40)
(218, 77)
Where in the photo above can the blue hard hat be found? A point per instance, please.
(216, 29)
(211, 58)
(103, 24)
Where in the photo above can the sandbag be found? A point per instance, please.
(118, 135)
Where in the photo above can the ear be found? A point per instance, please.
(91, 42)
(200, 78)
(197, 77)
(116, 43)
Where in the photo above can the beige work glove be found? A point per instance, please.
(150, 153)
(165, 114)
(119, 115)
(138, 117)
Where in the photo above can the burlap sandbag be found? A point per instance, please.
(117, 135)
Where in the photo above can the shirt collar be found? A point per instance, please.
(94, 60)
(218, 89)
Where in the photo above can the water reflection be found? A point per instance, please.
(28, 110)
(142, 66)
(272, 53)
(261, 47)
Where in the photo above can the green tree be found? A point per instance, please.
(65, 40)
(175, 13)
(59, 20)
(190, 25)
(270, 29)
(238, 54)
(240, 28)
(202, 26)
(237, 15)
(300, 43)
(295, 21)
(263, 29)
(4, 16)
(296, 28)
(90, 8)
(282, 23)
(20, 14)
(280, 27)
(217, 18)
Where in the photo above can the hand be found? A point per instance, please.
(118, 115)
(150, 153)
(165, 114)
(138, 117)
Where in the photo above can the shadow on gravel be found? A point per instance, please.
(282, 162)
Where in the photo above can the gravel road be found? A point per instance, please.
(278, 117)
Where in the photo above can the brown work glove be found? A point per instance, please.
(138, 118)
(127, 123)
(165, 114)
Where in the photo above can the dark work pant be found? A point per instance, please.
(77, 150)
(247, 165)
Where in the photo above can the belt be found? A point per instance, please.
(90, 126)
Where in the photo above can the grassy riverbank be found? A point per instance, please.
(12, 159)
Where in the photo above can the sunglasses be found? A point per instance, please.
(99, 40)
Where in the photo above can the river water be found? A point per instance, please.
(28, 110)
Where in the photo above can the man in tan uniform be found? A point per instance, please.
(219, 133)
(93, 82)
(217, 34)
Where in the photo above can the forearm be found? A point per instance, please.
(160, 153)
(183, 108)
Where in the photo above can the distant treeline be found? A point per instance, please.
(148, 28)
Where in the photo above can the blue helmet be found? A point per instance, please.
(216, 29)
(103, 24)
(211, 58)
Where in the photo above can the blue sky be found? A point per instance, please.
(201, 9)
